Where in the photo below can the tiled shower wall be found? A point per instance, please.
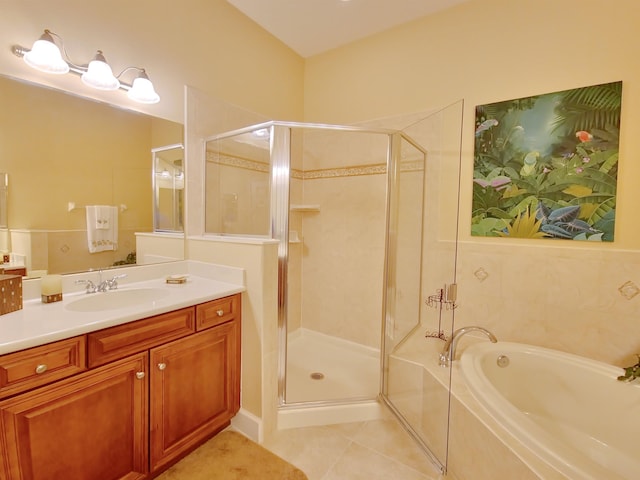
(343, 256)
(342, 244)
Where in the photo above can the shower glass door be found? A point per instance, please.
(421, 264)
(335, 264)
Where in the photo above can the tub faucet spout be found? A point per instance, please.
(448, 353)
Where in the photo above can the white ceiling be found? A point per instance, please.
(310, 27)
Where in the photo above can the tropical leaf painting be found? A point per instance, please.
(547, 166)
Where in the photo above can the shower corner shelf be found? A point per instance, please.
(304, 208)
(294, 237)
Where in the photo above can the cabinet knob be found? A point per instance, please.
(139, 375)
(162, 366)
(41, 368)
(220, 312)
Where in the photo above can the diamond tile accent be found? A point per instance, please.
(481, 274)
(629, 290)
(64, 248)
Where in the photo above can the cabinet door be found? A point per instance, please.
(195, 390)
(92, 426)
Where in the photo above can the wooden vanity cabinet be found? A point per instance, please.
(194, 385)
(128, 417)
(91, 426)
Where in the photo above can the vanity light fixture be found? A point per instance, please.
(45, 55)
(142, 89)
(99, 74)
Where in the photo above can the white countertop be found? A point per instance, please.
(39, 323)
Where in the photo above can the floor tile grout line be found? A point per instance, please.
(338, 457)
(395, 460)
(352, 438)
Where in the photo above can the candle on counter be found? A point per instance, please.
(51, 288)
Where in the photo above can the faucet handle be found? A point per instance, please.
(113, 283)
(90, 286)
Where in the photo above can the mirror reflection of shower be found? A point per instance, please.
(5, 245)
(168, 188)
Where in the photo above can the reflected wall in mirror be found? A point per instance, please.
(168, 188)
(63, 153)
(4, 228)
(4, 185)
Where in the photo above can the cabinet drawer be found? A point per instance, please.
(218, 311)
(118, 342)
(38, 366)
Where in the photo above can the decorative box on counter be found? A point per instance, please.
(10, 293)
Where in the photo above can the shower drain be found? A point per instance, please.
(317, 376)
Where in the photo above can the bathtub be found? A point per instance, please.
(570, 411)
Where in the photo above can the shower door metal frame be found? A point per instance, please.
(280, 153)
(280, 231)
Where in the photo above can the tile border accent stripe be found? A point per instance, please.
(354, 171)
(237, 162)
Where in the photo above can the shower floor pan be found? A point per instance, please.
(321, 368)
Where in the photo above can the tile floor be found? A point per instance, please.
(372, 450)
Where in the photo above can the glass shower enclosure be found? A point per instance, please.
(346, 205)
(321, 191)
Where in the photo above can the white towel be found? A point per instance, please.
(102, 228)
(104, 216)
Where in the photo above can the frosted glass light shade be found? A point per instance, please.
(142, 90)
(99, 74)
(45, 56)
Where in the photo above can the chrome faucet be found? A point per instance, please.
(448, 353)
(103, 285)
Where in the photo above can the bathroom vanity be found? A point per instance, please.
(121, 402)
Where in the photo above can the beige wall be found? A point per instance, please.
(559, 294)
(484, 51)
(206, 44)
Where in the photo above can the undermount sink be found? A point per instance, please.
(113, 299)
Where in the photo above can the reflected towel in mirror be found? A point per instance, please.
(102, 228)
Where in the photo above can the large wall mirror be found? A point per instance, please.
(63, 153)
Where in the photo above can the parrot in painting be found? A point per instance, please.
(584, 136)
(529, 164)
(486, 125)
